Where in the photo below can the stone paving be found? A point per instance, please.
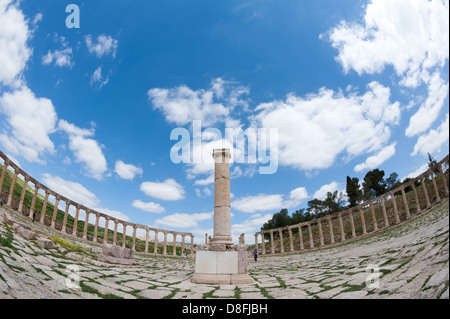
(407, 261)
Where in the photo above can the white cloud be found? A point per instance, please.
(127, 171)
(433, 140)
(184, 220)
(105, 45)
(375, 160)
(411, 36)
(97, 78)
(150, 207)
(249, 227)
(313, 131)
(167, 190)
(322, 192)
(61, 58)
(181, 105)
(30, 121)
(86, 150)
(14, 35)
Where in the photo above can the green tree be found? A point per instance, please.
(392, 181)
(354, 192)
(374, 184)
(315, 207)
(432, 164)
(333, 201)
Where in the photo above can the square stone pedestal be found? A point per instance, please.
(221, 267)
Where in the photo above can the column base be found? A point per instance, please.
(221, 279)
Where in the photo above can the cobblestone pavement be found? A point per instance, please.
(407, 261)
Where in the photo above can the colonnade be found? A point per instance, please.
(341, 226)
(58, 199)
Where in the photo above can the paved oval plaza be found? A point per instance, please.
(406, 261)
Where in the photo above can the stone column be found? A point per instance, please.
(352, 223)
(147, 238)
(44, 207)
(311, 241)
(222, 214)
(330, 224)
(319, 225)
(291, 240)
(416, 198)
(165, 243)
(11, 190)
(124, 234)
(405, 202)
(86, 223)
(385, 216)
(116, 224)
(75, 224)
(363, 221)
(300, 236)
(22, 195)
(444, 180)
(55, 212)
(424, 188)
(192, 246)
(155, 248)
(206, 238)
(33, 202)
(133, 245)
(66, 213)
(280, 232)
(2, 178)
(182, 244)
(256, 241)
(394, 203)
(341, 227)
(105, 233)
(272, 248)
(436, 191)
(263, 244)
(374, 217)
(97, 217)
(174, 252)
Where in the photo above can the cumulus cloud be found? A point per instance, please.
(322, 192)
(179, 220)
(167, 190)
(376, 160)
(29, 122)
(433, 140)
(61, 58)
(150, 207)
(105, 45)
(127, 171)
(86, 150)
(97, 79)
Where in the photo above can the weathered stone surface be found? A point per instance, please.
(26, 233)
(45, 243)
(117, 251)
(115, 260)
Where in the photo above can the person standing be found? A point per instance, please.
(255, 254)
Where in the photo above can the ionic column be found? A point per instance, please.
(281, 241)
(394, 203)
(363, 221)
(341, 226)
(311, 242)
(133, 245)
(182, 244)
(300, 236)
(124, 234)
(385, 216)
(424, 187)
(33, 202)
(55, 212)
(75, 224)
(44, 207)
(174, 252)
(319, 225)
(11, 190)
(96, 226)
(2, 178)
(22, 195)
(436, 191)
(147, 238)
(105, 233)
(155, 249)
(291, 240)
(86, 223)
(444, 180)
(272, 248)
(331, 230)
(374, 218)
(116, 224)
(416, 198)
(66, 213)
(165, 243)
(352, 224)
(405, 202)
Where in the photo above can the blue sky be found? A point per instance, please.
(349, 85)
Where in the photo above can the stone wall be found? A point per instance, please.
(392, 208)
(51, 221)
